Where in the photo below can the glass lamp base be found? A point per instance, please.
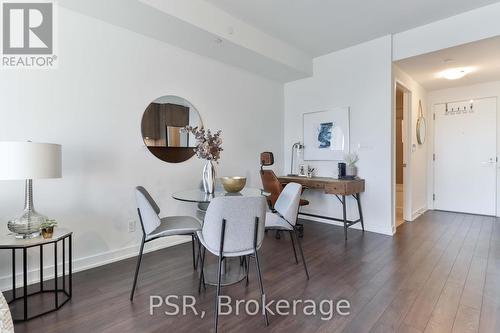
(28, 225)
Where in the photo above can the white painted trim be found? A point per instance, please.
(407, 182)
(417, 213)
(85, 263)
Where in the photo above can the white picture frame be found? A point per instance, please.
(326, 134)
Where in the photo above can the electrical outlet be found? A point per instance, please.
(131, 226)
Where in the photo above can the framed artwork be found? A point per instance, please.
(326, 135)
(303, 169)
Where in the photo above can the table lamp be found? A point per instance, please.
(298, 147)
(28, 161)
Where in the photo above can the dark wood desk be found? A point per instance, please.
(338, 187)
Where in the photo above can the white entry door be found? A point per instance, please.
(465, 156)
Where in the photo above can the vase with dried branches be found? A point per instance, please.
(208, 148)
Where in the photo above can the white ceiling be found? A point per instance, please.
(200, 27)
(322, 26)
(483, 56)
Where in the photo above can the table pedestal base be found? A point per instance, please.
(232, 272)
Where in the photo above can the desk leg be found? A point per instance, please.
(358, 196)
(344, 215)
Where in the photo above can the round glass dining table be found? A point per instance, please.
(199, 196)
(233, 270)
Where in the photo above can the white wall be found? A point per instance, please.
(490, 89)
(416, 172)
(464, 28)
(93, 104)
(359, 77)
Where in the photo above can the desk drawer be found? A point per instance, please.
(336, 188)
(316, 185)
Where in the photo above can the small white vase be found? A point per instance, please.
(209, 177)
(351, 170)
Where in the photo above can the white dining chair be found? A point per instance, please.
(284, 217)
(233, 227)
(154, 227)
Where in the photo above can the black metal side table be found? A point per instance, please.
(61, 290)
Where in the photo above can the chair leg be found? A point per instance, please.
(358, 196)
(219, 272)
(139, 259)
(301, 230)
(302, 254)
(299, 225)
(247, 267)
(193, 237)
(202, 274)
(198, 256)
(294, 250)
(261, 285)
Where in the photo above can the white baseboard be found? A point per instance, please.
(417, 213)
(84, 263)
(340, 224)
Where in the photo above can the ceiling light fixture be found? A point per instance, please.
(455, 73)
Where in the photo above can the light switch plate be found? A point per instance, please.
(132, 226)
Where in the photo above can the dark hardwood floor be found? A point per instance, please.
(440, 273)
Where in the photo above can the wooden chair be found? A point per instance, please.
(272, 185)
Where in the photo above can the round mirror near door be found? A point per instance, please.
(162, 124)
(421, 130)
(421, 125)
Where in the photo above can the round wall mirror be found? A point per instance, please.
(162, 125)
(421, 125)
(421, 129)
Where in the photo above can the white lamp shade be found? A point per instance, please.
(29, 160)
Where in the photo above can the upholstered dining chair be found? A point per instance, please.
(272, 185)
(202, 207)
(154, 227)
(6, 324)
(233, 227)
(284, 217)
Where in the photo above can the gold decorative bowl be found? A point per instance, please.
(233, 184)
